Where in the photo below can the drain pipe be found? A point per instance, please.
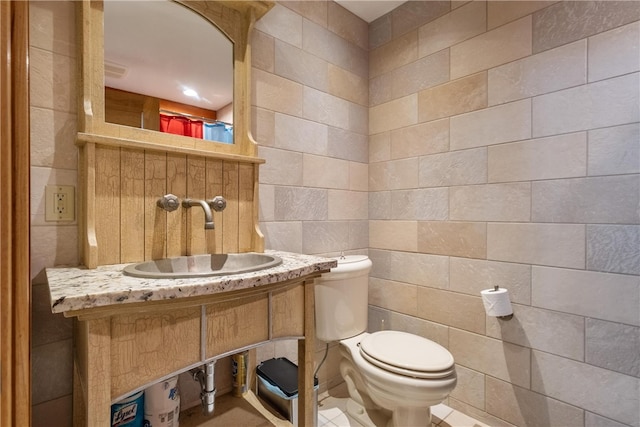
(205, 376)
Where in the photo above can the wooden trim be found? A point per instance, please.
(15, 287)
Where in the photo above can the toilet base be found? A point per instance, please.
(401, 417)
(366, 417)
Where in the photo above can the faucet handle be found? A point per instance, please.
(218, 203)
(168, 202)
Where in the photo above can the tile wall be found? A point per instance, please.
(462, 144)
(505, 150)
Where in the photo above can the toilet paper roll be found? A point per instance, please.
(496, 302)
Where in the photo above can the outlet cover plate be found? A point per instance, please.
(60, 203)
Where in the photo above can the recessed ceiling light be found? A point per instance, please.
(190, 92)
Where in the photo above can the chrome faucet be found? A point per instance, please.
(208, 216)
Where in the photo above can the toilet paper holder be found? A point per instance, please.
(508, 316)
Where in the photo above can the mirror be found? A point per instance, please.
(167, 68)
(230, 19)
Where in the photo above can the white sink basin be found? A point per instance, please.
(202, 265)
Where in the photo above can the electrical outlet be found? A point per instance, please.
(60, 203)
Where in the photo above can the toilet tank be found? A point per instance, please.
(341, 299)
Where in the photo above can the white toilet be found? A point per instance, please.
(393, 377)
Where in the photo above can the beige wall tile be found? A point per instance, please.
(47, 327)
(610, 199)
(464, 239)
(394, 296)
(418, 140)
(263, 54)
(358, 118)
(443, 307)
(615, 52)
(411, 15)
(54, 413)
(395, 114)
(283, 24)
(614, 150)
(39, 179)
(55, 362)
(395, 54)
(320, 237)
(568, 21)
(347, 25)
(347, 85)
(64, 238)
(545, 330)
(263, 126)
(276, 93)
(315, 172)
(321, 107)
(358, 176)
(295, 64)
(595, 420)
(315, 11)
(560, 156)
(380, 319)
(53, 137)
(501, 12)
(299, 203)
(283, 236)
(456, 168)
(410, 78)
(393, 175)
(523, 407)
(594, 389)
(606, 103)
(560, 245)
(380, 205)
(295, 134)
(455, 27)
(495, 125)
(457, 97)
(326, 45)
(267, 202)
(45, 31)
(478, 414)
(52, 80)
(470, 387)
(273, 173)
(470, 276)
(415, 268)
(508, 362)
(614, 248)
(348, 145)
(380, 31)
(380, 147)
(396, 235)
(492, 202)
(496, 47)
(359, 234)
(348, 205)
(421, 204)
(613, 297)
(545, 72)
(613, 346)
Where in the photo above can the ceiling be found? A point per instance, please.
(370, 10)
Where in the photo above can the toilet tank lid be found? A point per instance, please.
(349, 266)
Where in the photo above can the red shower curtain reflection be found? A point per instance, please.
(179, 125)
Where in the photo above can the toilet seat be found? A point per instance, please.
(407, 354)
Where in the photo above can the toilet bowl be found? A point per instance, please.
(393, 377)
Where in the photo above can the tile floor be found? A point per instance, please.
(332, 413)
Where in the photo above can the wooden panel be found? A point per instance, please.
(107, 204)
(124, 108)
(145, 347)
(214, 188)
(237, 323)
(132, 209)
(196, 240)
(177, 221)
(287, 312)
(245, 207)
(230, 214)
(306, 359)
(155, 218)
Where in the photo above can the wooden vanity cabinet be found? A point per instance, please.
(121, 349)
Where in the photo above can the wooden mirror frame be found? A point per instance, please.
(234, 18)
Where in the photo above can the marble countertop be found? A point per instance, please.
(79, 288)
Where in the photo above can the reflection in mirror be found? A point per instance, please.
(167, 69)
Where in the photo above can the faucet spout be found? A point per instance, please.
(208, 216)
